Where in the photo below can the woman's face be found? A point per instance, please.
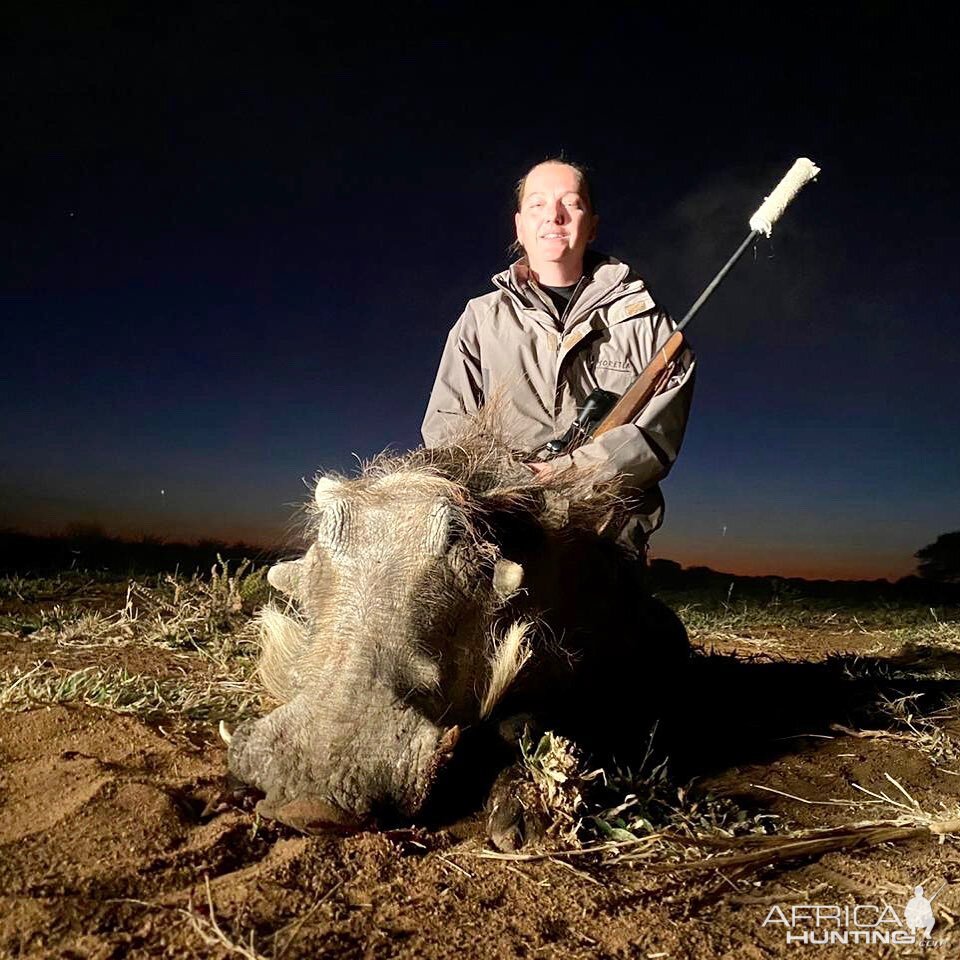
(554, 222)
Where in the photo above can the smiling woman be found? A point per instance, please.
(555, 221)
(562, 321)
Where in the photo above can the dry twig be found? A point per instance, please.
(857, 836)
(212, 933)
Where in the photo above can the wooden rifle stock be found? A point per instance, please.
(645, 387)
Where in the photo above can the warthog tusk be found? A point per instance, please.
(225, 735)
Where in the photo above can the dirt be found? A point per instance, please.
(117, 835)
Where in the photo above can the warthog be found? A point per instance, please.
(444, 590)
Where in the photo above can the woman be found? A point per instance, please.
(560, 322)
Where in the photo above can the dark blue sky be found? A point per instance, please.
(234, 240)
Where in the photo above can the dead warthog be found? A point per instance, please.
(444, 591)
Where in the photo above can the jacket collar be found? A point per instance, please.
(604, 276)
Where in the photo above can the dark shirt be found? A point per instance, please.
(560, 296)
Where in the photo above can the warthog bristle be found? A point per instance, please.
(283, 639)
(506, 660)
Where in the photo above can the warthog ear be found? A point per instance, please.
(330, 522)
(285, 577)
(507, 577)
(327, 490)
(288, 576)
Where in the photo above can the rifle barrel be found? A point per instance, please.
(718, 279)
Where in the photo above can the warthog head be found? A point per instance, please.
(430, 580)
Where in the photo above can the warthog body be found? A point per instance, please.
(445, 589)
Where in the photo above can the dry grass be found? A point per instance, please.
(735, 617)
(207, 615)
(193, 698)
(202, 920)
(205, 925)
(925, 732)
(554, 768)
(208, 619)
(607, 810)
(667, 830)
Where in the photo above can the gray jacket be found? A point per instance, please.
(512, 343)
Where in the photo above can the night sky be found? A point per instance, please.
(235, 237)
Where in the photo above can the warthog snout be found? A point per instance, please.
(319, 769)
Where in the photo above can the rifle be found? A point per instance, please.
(603, 410)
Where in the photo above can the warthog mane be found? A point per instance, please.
(486, 474)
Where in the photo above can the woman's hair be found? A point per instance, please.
(585, 188)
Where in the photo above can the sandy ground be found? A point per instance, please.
(120, 838)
